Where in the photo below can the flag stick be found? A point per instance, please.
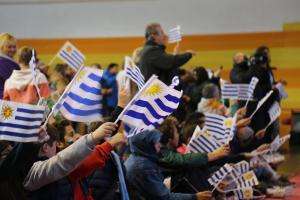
(52, 60)
(62, 96)
(152, 78)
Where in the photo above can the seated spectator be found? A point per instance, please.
(21, 85)
(210, 101)
(144, 174)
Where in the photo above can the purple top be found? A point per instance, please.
(6, 68)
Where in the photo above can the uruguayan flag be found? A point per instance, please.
(202, 142)
(222, 128)
(219, 175)
(239, 91)
(133, 72)
(175, 35)
(83, 102)
(248, 179)
(239, 169)
(151, 105)
(71, 55)
(20, 122)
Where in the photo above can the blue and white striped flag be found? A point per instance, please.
(222, 128)
(83, 101)
(174, 35)
(235, 91)
(20, 122)
(133, 72)
(151, 105)
(248, 179)
(219, 175)
(239, 169)
(202, 142)
(71, 55)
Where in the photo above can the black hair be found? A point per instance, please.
(201, 75)
(112, 65)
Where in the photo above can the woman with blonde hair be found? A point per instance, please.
(8, 48)
(21, 86)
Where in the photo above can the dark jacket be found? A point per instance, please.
(13, 169)
(155, 60)
(7, 65)
(104, 182)
(143, 172)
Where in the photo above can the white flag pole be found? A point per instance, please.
(152, 78)
(32, 66)
(62, 96)
(52, 60)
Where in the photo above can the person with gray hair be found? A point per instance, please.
(210, 101)
(154, 58)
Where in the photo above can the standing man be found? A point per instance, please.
(154, 58)
(8, 49)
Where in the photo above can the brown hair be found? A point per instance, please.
(24, 55)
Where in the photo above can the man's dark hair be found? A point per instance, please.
(151, 29)
(167, 130)
(201, 75)
(112, 65)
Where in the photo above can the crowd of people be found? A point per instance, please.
(78, 160)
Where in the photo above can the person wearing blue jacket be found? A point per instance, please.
(145, 175)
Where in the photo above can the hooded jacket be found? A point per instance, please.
(20, 87)
(143, 171)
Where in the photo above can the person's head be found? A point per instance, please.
(244, 135)
(211, 91)
(170, 135)
(155, 33)
(238, 58)
(264, 50)
(136, 55)
(96, 66)
(262, 57)
(201, 75)
(48, 148)
(24, 56)
(113, 68)
(8, 45)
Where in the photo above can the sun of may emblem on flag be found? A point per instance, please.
(7, 112)
(69, 49)
(81, 75)
(248, 193)
(153, 90)
(228, 122)
(248, 175)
